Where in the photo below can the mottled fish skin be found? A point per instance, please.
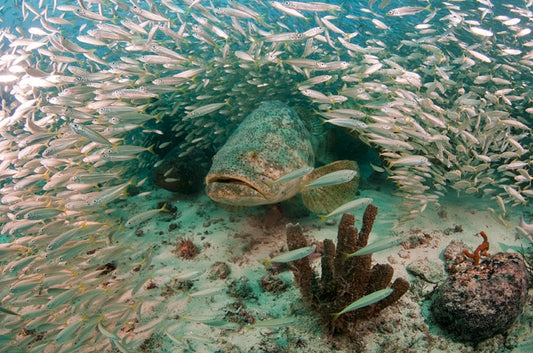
(271, 142)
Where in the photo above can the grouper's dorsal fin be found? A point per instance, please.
(325, 199)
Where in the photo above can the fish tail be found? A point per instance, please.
(335, 316)
(151, 150)
(523, 223)
(265, 262)
(164, 208)
(323, 217)
(115, 146)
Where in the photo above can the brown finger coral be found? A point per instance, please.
(344, 280)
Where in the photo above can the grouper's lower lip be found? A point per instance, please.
(234, 190)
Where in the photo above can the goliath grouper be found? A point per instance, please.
(271, 143)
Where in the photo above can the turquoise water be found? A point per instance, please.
(95, 99)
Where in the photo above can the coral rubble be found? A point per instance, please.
(344, 280)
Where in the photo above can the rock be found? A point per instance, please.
(454, 258)
(272, 284)
(219, 270)
(480, 301)
(427, 270)
(454, 249)
(184, 175)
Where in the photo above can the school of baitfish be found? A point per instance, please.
(440, 89)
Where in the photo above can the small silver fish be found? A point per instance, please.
(143, 216)
(147, 14)
(312, 6)
(355, 204)
(348, 123)
(89, 133)
(333, 178)
(276, 323)
(375, 247)
(365, 301)
(413, 160)
(298, 173)
(525, 227)
(406, 10)
(292, 255)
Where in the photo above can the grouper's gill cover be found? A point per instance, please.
(270, 142)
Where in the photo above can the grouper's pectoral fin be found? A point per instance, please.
(325, 199)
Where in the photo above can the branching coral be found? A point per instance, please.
(481, 250)
(343, 279)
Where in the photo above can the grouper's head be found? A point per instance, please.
(269, 143)
(244, 183)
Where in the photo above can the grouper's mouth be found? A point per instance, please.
(236, 190)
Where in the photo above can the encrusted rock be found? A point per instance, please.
(427, 270)
(454, 249)
(219, 270)
(480, 301)
(454, 257)
(272, 284)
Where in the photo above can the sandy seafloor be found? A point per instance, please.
(241, 239)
